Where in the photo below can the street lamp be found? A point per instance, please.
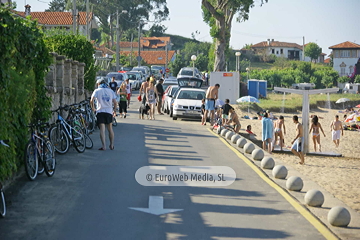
(193, 58)
(248, 70)
(237, 54)
(118, 40)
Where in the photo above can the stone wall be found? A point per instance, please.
(65, 81)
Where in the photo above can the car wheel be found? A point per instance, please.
(174, 118)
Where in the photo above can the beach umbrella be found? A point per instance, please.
(249, 99)
(342, 100)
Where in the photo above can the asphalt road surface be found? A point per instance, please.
(91, 195)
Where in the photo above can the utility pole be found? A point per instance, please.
(304, 48)
(74, 16)
(166, 52)
(117, 42)
(131, 52)
(87, 20)
(139, 57)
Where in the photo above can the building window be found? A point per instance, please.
(272, 51)
(351, 69)
(345, 53)
(337, 53)
(281, 51)
(277, 52)
(358, 53)
(353, 53)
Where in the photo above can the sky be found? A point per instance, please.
(325, 22)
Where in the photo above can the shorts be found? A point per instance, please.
(122, 106)
(225, 116)
(297, 146)
(104, 118)
(128, 96)
(335, 134)
(210, 104)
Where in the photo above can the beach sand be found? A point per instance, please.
(338, 175)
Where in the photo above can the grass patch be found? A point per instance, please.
(261, 65)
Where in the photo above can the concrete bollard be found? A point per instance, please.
(257, 154)
(314, 198)
(267, 163)
(294, 183)
(279, 171)
(229, 134)
(249, 147)
(223, 132)
(339, 216)
(234, 138)
(241, 142)
(219, 129)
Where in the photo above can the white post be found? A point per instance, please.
(305, 120)
(117, 42)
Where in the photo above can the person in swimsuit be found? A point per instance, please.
(211, 95)
(315, 128)
(296, 148)
(278, 125)
(336, 127)
(234, 120)
(151, 100)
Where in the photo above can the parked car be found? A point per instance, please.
(119, 77)
(188, 72)
(187, 99)
(145, 71)
(169, 81)
(167, 97)
(135, 78)
(126, 69)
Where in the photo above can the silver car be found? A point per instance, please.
(189, 72)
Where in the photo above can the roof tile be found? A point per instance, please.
(346, 44)
(276, 44)
(56, 18)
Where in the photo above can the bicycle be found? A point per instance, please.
(2, 195)
(76, 116)
(62, 132)
(39, 151)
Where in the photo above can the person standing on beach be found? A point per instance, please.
(211, 95)
(267, 132)
(297, 147)
(336, 127)
(316, 127)
(278, 126)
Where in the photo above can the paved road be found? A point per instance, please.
(90, 194)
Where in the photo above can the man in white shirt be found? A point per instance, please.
(128, 91)
(106, 107)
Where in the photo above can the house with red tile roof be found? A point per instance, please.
(327, 61)
(147, 44)
(345, 56)
(154, 57)
(62, 20)
(292, 51)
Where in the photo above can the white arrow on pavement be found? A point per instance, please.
(156, 206)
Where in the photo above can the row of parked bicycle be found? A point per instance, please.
(46, 139)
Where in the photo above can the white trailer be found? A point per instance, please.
(352, 88)
(229, 85)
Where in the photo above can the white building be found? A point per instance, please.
(292, 51)
(345, 56)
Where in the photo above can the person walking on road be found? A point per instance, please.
(128, 91)
(297, 147)
(316, 127)
(336, 127)
(106, 108)
(143, 88)
(159, 93)
(123, 100)
(211, 95)
(113, 84)
(267, 132)
(151, 99)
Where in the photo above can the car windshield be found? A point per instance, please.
(186, 72)
(118, 76)
(132, 76)
(193, 95)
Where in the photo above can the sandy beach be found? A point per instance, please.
(338, 175)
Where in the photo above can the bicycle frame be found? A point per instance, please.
(67, 127)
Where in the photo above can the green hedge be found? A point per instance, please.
(24, 59)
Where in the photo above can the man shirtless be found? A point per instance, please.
(297, 147)
(278, 125)
(336, 126)
(234, 120)
(143, 88)
(211, 95)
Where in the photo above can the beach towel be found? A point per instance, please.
(267, 128)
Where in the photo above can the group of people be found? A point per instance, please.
(151, 94)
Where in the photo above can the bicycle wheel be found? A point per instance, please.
(88, 142)
(78, 139)
(49, 160)
(59, 139)
(31, 161)
(2, 204)
(40, 167)
(91, 122)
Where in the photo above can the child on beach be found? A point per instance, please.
(225, 111)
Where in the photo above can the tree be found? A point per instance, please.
(157, 30)
(176, 65)
(218, 14)
(313, 51)
(357, 79)
(56, 6)
(343, 79)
